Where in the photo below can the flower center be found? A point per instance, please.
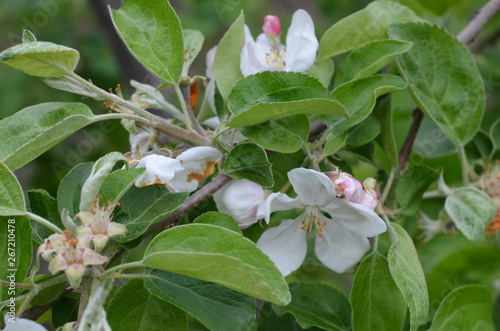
(313, 219)
(275, 58)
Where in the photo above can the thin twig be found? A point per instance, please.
(186, 93)
(404, 155)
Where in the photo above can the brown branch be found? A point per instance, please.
(418, 116)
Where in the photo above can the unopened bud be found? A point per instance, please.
(272, 26)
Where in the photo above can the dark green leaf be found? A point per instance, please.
(70, 189)
(412, 185)
(248, 160)
(363, 133)
(42, 204)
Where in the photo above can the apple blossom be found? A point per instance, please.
(341, 226)
(243, 200)
(267, 53)
(353, 190)
(21, 324)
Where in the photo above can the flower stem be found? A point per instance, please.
(183, 93)
(464, 165)
(43, 221)
(111, 271)
(388, 186)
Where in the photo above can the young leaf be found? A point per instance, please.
(42, 204)
(135, 308)
(28, 36)
(412, 185)
(219, 219)
(119, 182)
(226, 65)
(451, 90)
(408, 275)
(359, 98)
(142, 207)
(35, 129)
(153, 34)
(369, 59)
(318, 305)
(70, 188)
(471, 210)
(383, 113)
(284, 135)
(11, 193)
(100, 171)
(467, 307)
(274, 94)
(193, 41)
(69, 84)
(199, 250)
(41, 59)
(247, 160)
(377, 303)
(362, 27)
(217, 307)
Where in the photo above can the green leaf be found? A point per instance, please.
(408, 275)
(318, 305)
(269, 321)
(153, 34)
(41, 59)
(100, 171)
(274, 94)
(369, 59)
(248, 160)
(226, 65)
(284, 135)
(66, 310)
(119, 182)
(11, 193)
(323, 71)
(71, 85)
(199, 250)
(333, 143)
(451, 90)
(383, 113)
(359, 98)
(42, 204)
(363, 133)
(465, 308)
(412, 185)
(15, 252)
(193, 42)
(70, 189)
(142, 207)
(471, 210)
(28, 36)
(219, 219)
(377, 303)
(133, 307)
(362, 27)
(35, 129)
(217, 307)
(282, 164)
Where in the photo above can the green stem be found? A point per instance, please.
(111, 271)
(85, 296)
(187, 117)
(388, 186)
(122, 116)
(18, 285)
(464, 165)
(26, 302)
(43, 221)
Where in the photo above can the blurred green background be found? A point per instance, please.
(84, 26)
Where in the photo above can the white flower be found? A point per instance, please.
(243, 200)
(267, 53)
(21, 324)
(141, 140)
(182, 174)
(341, 226)
(353, 190)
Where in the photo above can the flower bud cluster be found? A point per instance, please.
(353, 190)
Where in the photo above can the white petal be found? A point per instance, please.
(141, 140)
(209, 60)
(312, 187)
(356, 217)
(251, 62)
(301, 43)
(338, 248)
(285, 245)
(241, 200)
(197, 163)
(159, 170)
(276, 202)
(21, 324)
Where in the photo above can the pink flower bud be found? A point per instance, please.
(272, 26)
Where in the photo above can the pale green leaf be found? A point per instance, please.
(471, 210)
(119, 182)
(152, 32)
(467, 307)
(133, 307)
(274, 94)
(11, 193)
(362, 27)
(284, 135)
(248, 160)
(408, 275)
(69, 84)
(41, 59)
(217, 307)
(333, 143)
(323, 71)
(199, 251)
(359, 98)
(70, 188)
(377, 303)
(226, 66)
(219, 219)
(369, 59)
(318, 305)
(193, 42)
(451, 90)
(28, 36)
